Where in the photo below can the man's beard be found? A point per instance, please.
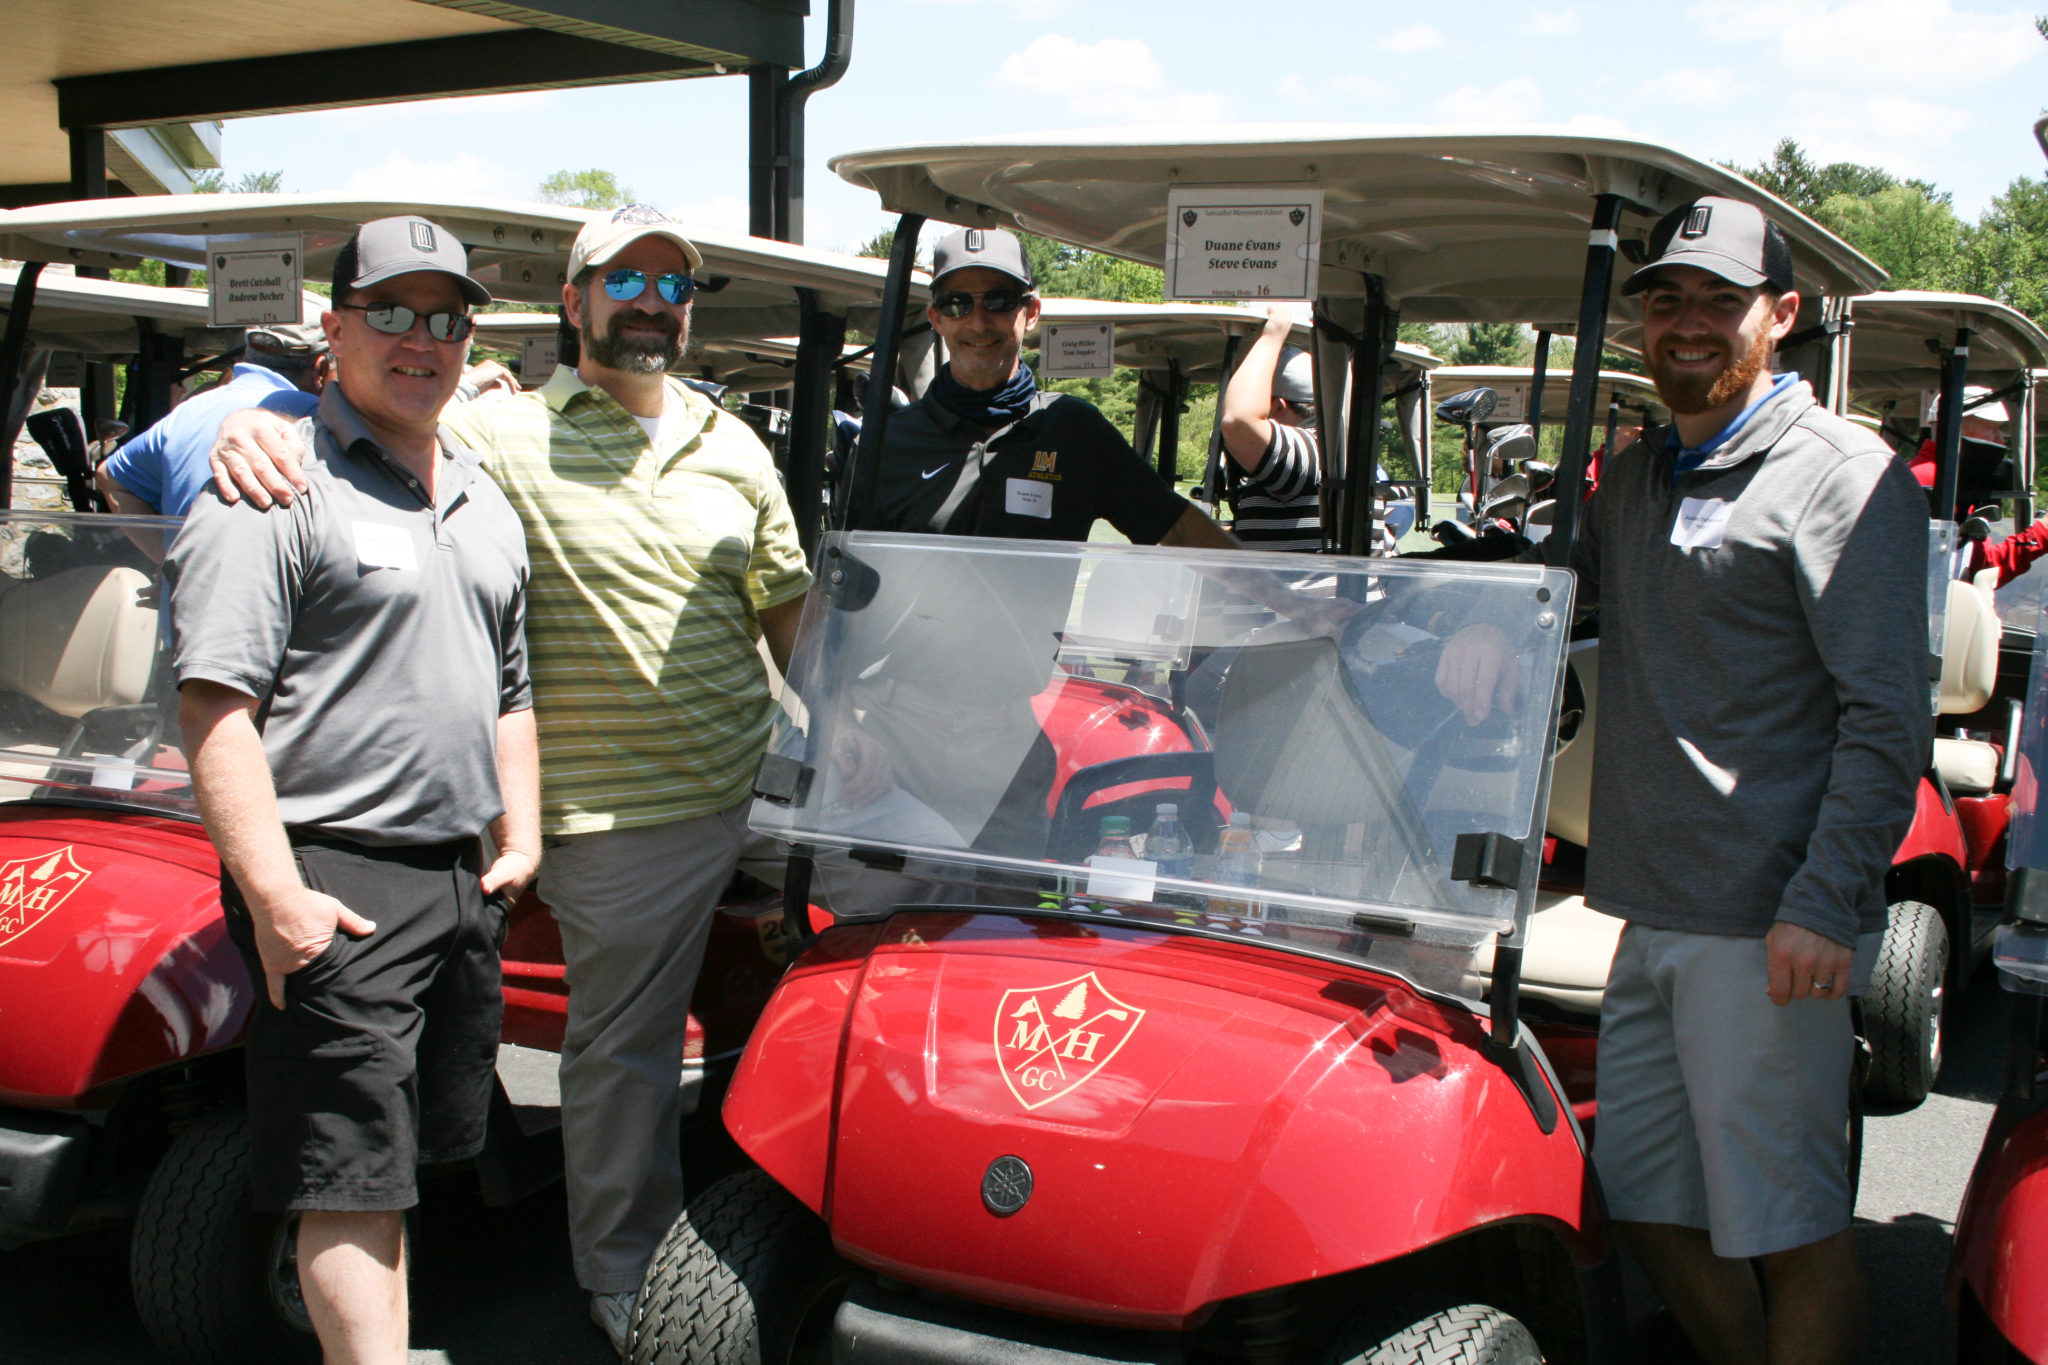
(1686, 394)
(632, 354)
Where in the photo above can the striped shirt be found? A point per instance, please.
(1277, 506)
(650, 567)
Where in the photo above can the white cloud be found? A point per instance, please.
(1876, 45)
(1552, 23)
(719, 213)
(1512, 101)
(1414, 38)
(462, 176)
(1117, 80)
(1695, 87)
(1293, 87)
(1905, 136)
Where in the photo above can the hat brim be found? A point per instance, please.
(937, 280)
(1713, 262)
(692, 258)
(472, 292)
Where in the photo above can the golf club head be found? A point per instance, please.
(1464, 409)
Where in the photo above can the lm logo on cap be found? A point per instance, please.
(422, 237)
(1696, 221)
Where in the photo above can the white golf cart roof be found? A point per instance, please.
(98, 317)
(1461, 226)
(1149, 336)
(520, 252)
(1900, 336)
(1637, 393)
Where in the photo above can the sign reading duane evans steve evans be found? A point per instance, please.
(1243, 241)
(251, 281)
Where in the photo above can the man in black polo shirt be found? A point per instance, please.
(357, 711)
(986, 452)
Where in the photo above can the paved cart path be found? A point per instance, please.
(494, 1285)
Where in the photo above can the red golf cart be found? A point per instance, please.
(1040, 1094)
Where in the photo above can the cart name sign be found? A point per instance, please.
(252, 281)
(1243, 242)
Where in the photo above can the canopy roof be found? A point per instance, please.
(1899, 338)
(1149, 336)
(1462, 226)
(1512, 382)
(167, 69)
(746, 365)
(519, 251)
(98, 317)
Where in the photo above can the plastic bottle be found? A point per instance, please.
(1167, 845)
(1116, 838)
(1237, 864)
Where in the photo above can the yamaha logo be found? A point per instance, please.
(1051, 1040)
(31, 888)
(1006, 1186)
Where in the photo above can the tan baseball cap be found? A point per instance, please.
(606, 237)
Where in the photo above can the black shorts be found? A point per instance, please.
(384, 1054)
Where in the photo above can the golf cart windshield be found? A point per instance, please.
(86, 706)
(925, 736)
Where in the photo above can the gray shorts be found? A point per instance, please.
(1718, 1109)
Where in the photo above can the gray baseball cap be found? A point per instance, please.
(987, 248)
(1724, 237)
(291, 343)
(390, 247)
(1294, 378)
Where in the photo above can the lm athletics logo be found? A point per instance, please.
(1051, 1040)
(32, 887)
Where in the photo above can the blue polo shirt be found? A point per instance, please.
(167, 465)
(1685, 458)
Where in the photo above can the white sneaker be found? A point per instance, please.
(614, 1313)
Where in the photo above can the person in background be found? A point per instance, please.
(1269, 431)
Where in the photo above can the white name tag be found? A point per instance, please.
(1028, 498)
(384, 547)
(1701, 524)
(1124, 879)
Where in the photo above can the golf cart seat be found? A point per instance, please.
(78, 640)
(1969, 673)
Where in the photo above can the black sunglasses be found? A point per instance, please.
(959, 303)
(395, 319)
(626, 284)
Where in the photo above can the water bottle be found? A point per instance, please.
(1237, 864)
(1167, 843)
(1116, 838)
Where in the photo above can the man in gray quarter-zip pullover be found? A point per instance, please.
(1759, 572)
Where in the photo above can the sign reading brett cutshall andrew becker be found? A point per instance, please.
(252, 281)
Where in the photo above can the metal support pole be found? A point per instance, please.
(864, 480)
(820, 338)
(1362, 427)
(1169, 422)
(1601, 244)
(765, 92)
(1538, 374)
(1214, 476)
(789, 132)
(1425, 418)
(1948, 429)
(13, 347)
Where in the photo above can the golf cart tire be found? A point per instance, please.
(1469, 1334)
(1902, 1010)
(201, 1258)
(747, 1276)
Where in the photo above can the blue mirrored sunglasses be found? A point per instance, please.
(627, 284)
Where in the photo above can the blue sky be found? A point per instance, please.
(1942, 89)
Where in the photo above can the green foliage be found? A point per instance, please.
(1794, 178)
(2008, 250)
(249, 182)
(879, 246)
(590, 189)
(1492, 343)
(1071, 272)
(1916, 237)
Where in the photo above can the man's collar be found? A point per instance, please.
(693, 411)
(1756, 427)
(346, 425)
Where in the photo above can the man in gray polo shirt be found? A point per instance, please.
(357, 712)
(1759, 567)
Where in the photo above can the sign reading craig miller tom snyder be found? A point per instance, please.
(1243, 242)
(251, 281)
(1078, 350)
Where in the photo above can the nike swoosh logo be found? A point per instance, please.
(931, 473)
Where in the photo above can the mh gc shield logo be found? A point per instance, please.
(31, 888)
(1051, 1040)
